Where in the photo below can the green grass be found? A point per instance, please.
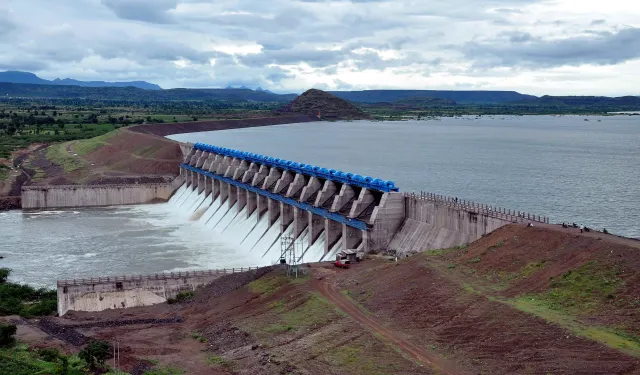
(530, 269)
(4, 171)
(315, 311)
(20, 360)
(87, 146)
(268, 285)
(198, 336)
(58, 154)
(614, 338)
(582, 290)
(217, 361)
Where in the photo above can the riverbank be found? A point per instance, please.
(135, 155)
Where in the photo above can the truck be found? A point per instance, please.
(342, 263)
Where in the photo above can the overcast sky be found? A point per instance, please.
(531, 46)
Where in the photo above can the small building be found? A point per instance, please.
(350, 255)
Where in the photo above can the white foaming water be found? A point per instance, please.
(190, 232)
(253, 238)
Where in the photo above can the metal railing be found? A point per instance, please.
(479, 208)
(157, 276)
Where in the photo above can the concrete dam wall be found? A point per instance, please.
(104, 293)
(42, 197)
(438, 222)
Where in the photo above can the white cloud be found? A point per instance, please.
(532, 46)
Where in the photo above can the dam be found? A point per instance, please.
(256, 199)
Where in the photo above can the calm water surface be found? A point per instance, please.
(563, 167)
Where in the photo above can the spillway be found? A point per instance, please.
(256, 203)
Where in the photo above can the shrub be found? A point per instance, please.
(4, 274)
(96, 353)
(7, 331)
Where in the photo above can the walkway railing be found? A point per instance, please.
(157, 276)
(479, 208)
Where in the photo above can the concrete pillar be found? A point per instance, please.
(283, 183)
(273, 208)
(365, 199)
(258, 179)
(207, 163)
(271, 180)
(385, 221)
(316, 227)
(224, 192)
(201, 179)
(208, 181)
(194, 180)
(242, 168)
(351, 237)
(215, 163)
(247, 178)
(232, 168)
(222, 167)
(252, 202)
(262, 206)
(328, 191)
(201, 159)
(215, 189)
(312, 187)
(187, 157)
(187, 177)
(242, 198)
(300, 221)
(341, 200)
(332, 233)
(233, 195)
(286, 216)
(194, 158)
(297, 185)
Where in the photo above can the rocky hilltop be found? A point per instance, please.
(317, 102)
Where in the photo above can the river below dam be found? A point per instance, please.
(566, 168)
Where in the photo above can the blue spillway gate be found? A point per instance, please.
(311, 170)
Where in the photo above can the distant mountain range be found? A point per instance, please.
(50, 91)
(460, 97)
(30, 78)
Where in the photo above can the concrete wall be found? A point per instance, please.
(435, 222)
(38, 197)
(98, 294)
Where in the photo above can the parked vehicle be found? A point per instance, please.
(342, 263)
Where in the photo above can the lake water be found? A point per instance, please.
(563, 167)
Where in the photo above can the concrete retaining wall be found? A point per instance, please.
(98, 294)
(436, 222)
(38, 197)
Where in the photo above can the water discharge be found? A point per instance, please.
(247, 233)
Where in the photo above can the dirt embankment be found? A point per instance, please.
(518, 301)
(205, 126)
(139, 154)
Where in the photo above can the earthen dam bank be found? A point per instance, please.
(256, 201)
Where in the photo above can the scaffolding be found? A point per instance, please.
(292, 252)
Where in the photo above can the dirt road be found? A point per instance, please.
(419, 354)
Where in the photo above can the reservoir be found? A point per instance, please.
(563, 167)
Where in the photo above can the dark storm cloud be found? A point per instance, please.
(154, 11)
(606, 49)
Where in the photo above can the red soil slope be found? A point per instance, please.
(205, 126)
